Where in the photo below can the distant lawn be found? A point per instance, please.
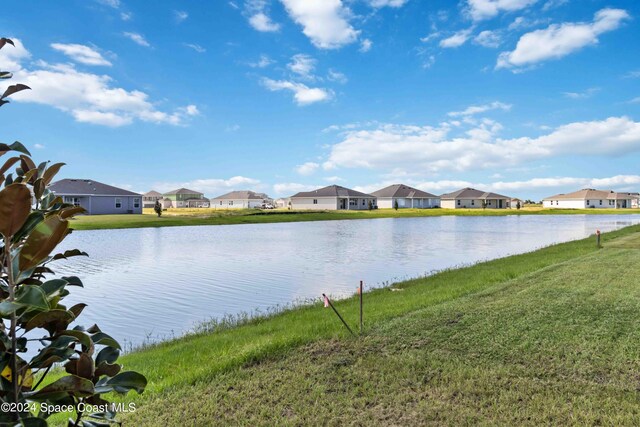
(178, 217)
(550, 337)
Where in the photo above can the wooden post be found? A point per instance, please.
(598, 238)
(360, 292)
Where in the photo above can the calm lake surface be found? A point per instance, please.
(137, 280)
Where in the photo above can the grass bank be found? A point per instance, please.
(182, 217)
(551, 336)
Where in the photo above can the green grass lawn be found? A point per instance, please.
(177, 217)
(549, 337)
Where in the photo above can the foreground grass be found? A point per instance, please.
(182, 217)
(545, 337)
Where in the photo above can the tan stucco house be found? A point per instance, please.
(470, 198)
(333, 197)
(405, 197)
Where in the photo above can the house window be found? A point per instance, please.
(473, 203)
(600, 202)
(588, 202)
(118, 203)
(75, 201)
(315, 201)
(458, 202)
(220, 202)
(230, 202)
(136, 203)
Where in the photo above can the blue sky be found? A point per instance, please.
(524, 97)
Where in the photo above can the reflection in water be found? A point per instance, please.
(138, 280)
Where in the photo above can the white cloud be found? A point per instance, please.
(88, 97)
(307, 168)
(389, 3)
(635, 100)
(477, 109)
(111, 3)
(333, 179)
(195, 47)
(488, 39)
(137, 38)
(302, 94)
(290, 188)
(365, 45)
(632, 74)
(446, 147)
(261, 22)
(263, 62)
(485, 9)
(39, 146)
(559, 40)
(552, 4)
(302, 65)
(211, 186)
(180, 16)
(582, 95)
(81, 53)
(324, 22)
(126, 16)
(456, 40)
(336, 76)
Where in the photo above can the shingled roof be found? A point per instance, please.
(592, 194)
(242, 195)
(182, 191)
(332, 191)
(472, 193)
(152, 193)
(404, 191)
(81, 187)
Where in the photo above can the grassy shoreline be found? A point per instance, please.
(192, 217)
(195, 376)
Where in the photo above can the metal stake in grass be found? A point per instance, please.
(598, 238)
(326, 298)
(360, 293)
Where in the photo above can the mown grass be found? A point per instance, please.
(182, 217)
(549, 337)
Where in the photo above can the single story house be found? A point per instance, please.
(333, 197)
(405, 197)
(282, 203)
(240, 200)
(97, 198)
(470, 198)
(591, 198)
(150, 198)
(184, 198)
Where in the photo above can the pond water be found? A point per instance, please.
(155, 283)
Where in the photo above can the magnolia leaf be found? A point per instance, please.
(32, 297)
(33, 219)
(77, 309)
(65, 386)
(42, 240)
(73, 281)
(5, 75)
(13, 89)
(15, 205)
(45, 317)
(108, 369)
(103, 339)
(54, 285)
(108, 355)
(4, 41)
(7, 165)
(7, 307)
(123, 382)
(51, 172)
(82, 337)
(26, 163)
(68, 254)
(85, 366)
(72, 211)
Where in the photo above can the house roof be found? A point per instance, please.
(241, 195)
(401, 190)
(592, 194)
(152, 193)
(77, 187)
(472, 193)
(332, 191)
(182, 191)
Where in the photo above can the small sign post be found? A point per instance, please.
(598, 238)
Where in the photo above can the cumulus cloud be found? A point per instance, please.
(559, 40)
(480, 10)
(302, 65)
(447, 147)
(88, 97)
(263, 62)
(488, 38)
(456, 40)
(211, 186)
(81, 53)
(307, 168)
(303, 94)
(137, 38)
(365, 45)
(384, 3)
(258, 16)
(477, 109)
(180, 16)
(324, 22)
(336, 76)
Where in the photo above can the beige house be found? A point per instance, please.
(405, 197)
(591, 198)
(240, 200)
(333, 197)
(470, 198)
(150, 198)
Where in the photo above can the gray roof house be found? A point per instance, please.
(333, 197)
(592, 198)
(470, 198)
(405, 197)
(244, 199)
(149, 198)
(97, 198)
(184, 198)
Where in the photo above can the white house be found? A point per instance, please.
(333, 197)
(470, 198)
(405, 197)
(282, 202)
(591, 198)
(240, 200)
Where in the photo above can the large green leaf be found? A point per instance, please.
(15, 205)
(41, 319)
(51, 172)
(104, 339)
(65, 386)
(42, 240)
(123, 382)
(32, 297)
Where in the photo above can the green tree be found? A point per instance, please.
(395, 204)
(33, 221)
(158, 208)
(518, 205)
(484, 204)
